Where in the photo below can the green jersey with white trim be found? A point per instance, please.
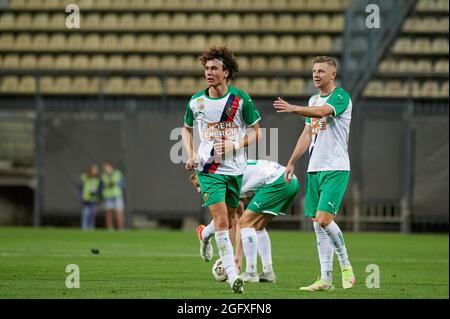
(329, 145)
(221, 119)
(259, 173)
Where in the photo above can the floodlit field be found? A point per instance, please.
(166, 264)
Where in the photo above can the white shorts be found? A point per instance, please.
(113, 203)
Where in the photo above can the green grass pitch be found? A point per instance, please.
(165, 264)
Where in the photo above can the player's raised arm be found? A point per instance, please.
(283, 106)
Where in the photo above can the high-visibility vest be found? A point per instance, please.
(111, 184)
(90, 188)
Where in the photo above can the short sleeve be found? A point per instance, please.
(249, 111)
(189, 116)
(339, 101)
(308, 121)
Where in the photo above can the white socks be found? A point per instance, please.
(337, 239)
(226, 253)
(209, 231)
(264, 250)
(249, 245)
(325, 250)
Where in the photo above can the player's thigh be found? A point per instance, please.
(249, 218)
(332, 190)
(233, 190)
(312, 194)
(213, 187)
(264, 221)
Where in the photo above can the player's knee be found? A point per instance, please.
(323, 222)
(221, 223)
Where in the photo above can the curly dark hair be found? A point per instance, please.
(223, 54)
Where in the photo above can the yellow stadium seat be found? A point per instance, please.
(269, 43)
(267, 21)
(421, 45)
(197, 43)
(46, 84)
(402, 45)
(144, 21)
(294, 64)
(216, 40)
(11, 61)
(386, 66)
(41, 21)
(58, 21)
(171, 86)
(133, 85)
(45, 61)
(162, 42)
(276, 64)
(24, 21)
(244, 63)
(214, 21)
(303, 22)
(294, 87)
(224, 4)
(27, 85)
(297, 4)
(440, 45)
(109, 21)
(28, 61)
(92, 21)
(197, 21)
(187, 85)
(337, 23)
(168, 62)
(444, 89)
(250, 21)
(279, 4)
(274, 87)
(91, 42)
(242, 83)
(286, 22)
(127, 21)
(23, 41)
(423, 66)
(152, 85)
(161, 21)
(80, 62)
(151, 62)
(144, 42)
(396, 89)
(324, 43)
(374, 88)
(430, 88)
(155, 4)
(63, 62)
(404, 66)
(62, 84)
(84, 85)
(9, 84)
(7, 21)
(179, 42)
(127, 42)
(115, 62)
(75, 41)
(441, 66)
(109, 42)
(133, 62)
(115, 85)
(244, 4)
(234, 42)
(259, 86)
(321, 22)
(232, 21)
(180, 21)
(187, 63)
(6, 41)
(97, 62)
(287, 43)
(306, 44)
(258, 63)
(251, 43)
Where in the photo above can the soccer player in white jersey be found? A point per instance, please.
(326, 133)
(265, 194)
(222, 113)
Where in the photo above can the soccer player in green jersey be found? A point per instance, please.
(326, 133)
(222, 113)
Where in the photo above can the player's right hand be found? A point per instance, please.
(289, 173)
(191, 163)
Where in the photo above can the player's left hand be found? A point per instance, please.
(282, 106)
(223, 147)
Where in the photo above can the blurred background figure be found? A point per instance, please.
(90, 196)
(112, 193)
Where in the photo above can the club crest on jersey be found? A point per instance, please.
(205, 196)
(229, 111)
(200, 103)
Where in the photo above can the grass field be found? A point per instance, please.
(165, 264)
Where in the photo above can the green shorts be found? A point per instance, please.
(218, 188)
(324, 191)
(274, 198)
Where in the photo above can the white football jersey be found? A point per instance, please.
(259, 173)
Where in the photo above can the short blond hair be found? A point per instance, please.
(325, 59)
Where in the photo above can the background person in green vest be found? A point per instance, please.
(112, 193)
(90, 196)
